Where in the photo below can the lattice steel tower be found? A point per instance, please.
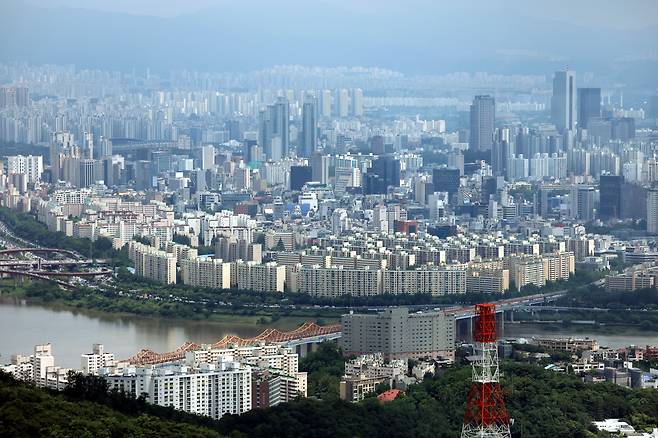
(486, 415)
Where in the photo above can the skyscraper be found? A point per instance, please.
(563, 102)
(274, 129)
(610, 196)
(589, 105)
(281, 119)
(483, 115)
(501, 151)
(265, 131)
(309, 139)
(582, 202)
(384, 173)
(207, 157)
(446, 179)
(300, 175)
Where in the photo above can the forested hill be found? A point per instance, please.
(26, 411)
(542, 403)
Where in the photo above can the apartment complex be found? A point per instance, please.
(206, 272)
(266, 277)
(206, 389)
(152, 263)
(338, 281)
(31, 166)
(538, 270)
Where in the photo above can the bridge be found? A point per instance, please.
(45, 269)
(464, 315)
(44, 263)
(28, 274)
(304, 338)
(130, 146)
(70, 254)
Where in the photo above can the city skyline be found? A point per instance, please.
(329, 218)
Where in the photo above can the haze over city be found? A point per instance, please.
(610, 38)
(329, 218)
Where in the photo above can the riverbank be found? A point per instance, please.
(160, 305)
(283, 323)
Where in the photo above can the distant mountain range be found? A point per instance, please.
(252, 35)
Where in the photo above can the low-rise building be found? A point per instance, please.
(356, 388)
(571, 345)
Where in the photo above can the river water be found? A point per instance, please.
(72, 333)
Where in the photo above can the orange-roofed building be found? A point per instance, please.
(389, 395)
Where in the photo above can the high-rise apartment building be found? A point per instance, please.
(31, 166)
(98, 358)
(152, 263)
(563, 102)
(259, 277)
(14, 96)
(483, 116)
(501, 150)
(652, 211)
(281, 118)
(325, 103)
(341, 103)
(357, 102)
(211, 273)
(41, 361)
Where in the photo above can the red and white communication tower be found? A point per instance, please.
(486, 415)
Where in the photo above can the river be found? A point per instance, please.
(72, 333)
(616, 337)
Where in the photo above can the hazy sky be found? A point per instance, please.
(614, 14)
(412, 36)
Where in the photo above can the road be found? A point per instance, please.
(9, 239)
